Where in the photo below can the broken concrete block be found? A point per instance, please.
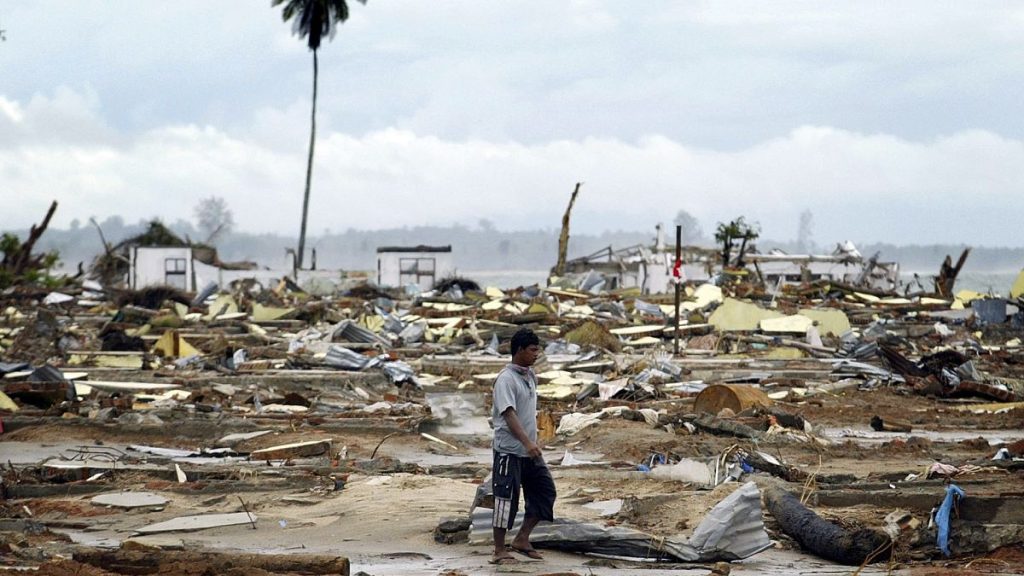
(199, 522)
(129, 500)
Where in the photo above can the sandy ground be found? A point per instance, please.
(384, 522)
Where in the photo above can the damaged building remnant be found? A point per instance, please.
(421, 266)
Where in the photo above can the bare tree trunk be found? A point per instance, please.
(18, 260)
(309, 167)
(563, 238)
(846, 546)
(948, 272)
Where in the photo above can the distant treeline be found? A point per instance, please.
(480, 247)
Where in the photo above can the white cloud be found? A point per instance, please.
(963, 187)
(11, 111)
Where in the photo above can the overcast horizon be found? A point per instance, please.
(894, 123)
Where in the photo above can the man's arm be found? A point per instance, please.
(532, 449)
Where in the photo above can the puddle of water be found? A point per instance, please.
(869, 437)
(459, 414)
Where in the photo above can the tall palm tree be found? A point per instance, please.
(312, 20)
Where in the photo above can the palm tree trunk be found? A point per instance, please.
(309, 167)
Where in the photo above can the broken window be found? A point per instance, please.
(416, 270)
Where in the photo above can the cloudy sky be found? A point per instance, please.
(890, 121)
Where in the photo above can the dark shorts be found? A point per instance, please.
(513, 474)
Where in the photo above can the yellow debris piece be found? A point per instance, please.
(734, 316)
(372, 322)
(706, 294)
(552, 375)
(108, 359)
(261, 313)
(895, 301)
(555, 391)
(7, 404)
(645, 341)
(140, 331)
(829, 321)
(1017, 290)
(785, 353)
(538, 308)
(224, 304)
(796, 324)
(172, 345)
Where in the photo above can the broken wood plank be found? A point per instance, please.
(296, 450)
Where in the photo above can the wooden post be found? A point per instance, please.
(679, 286)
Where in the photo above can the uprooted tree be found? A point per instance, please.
(20, 265)
(739, 230)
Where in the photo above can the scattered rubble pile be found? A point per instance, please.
(287, 433)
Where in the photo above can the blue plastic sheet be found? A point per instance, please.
(942, 516)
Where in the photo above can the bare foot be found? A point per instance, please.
(502, 557)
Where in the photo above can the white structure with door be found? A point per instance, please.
(419, 265)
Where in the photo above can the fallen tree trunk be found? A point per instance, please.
(138, 559)
(719, 427)
(821, 537)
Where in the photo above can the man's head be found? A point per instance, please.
(525, 347)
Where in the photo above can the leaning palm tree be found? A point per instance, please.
(312, 20)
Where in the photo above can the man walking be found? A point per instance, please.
(518, 463)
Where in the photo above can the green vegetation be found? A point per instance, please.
(739, 230)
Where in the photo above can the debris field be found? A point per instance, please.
(813, 428)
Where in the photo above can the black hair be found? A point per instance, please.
(523, 338)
